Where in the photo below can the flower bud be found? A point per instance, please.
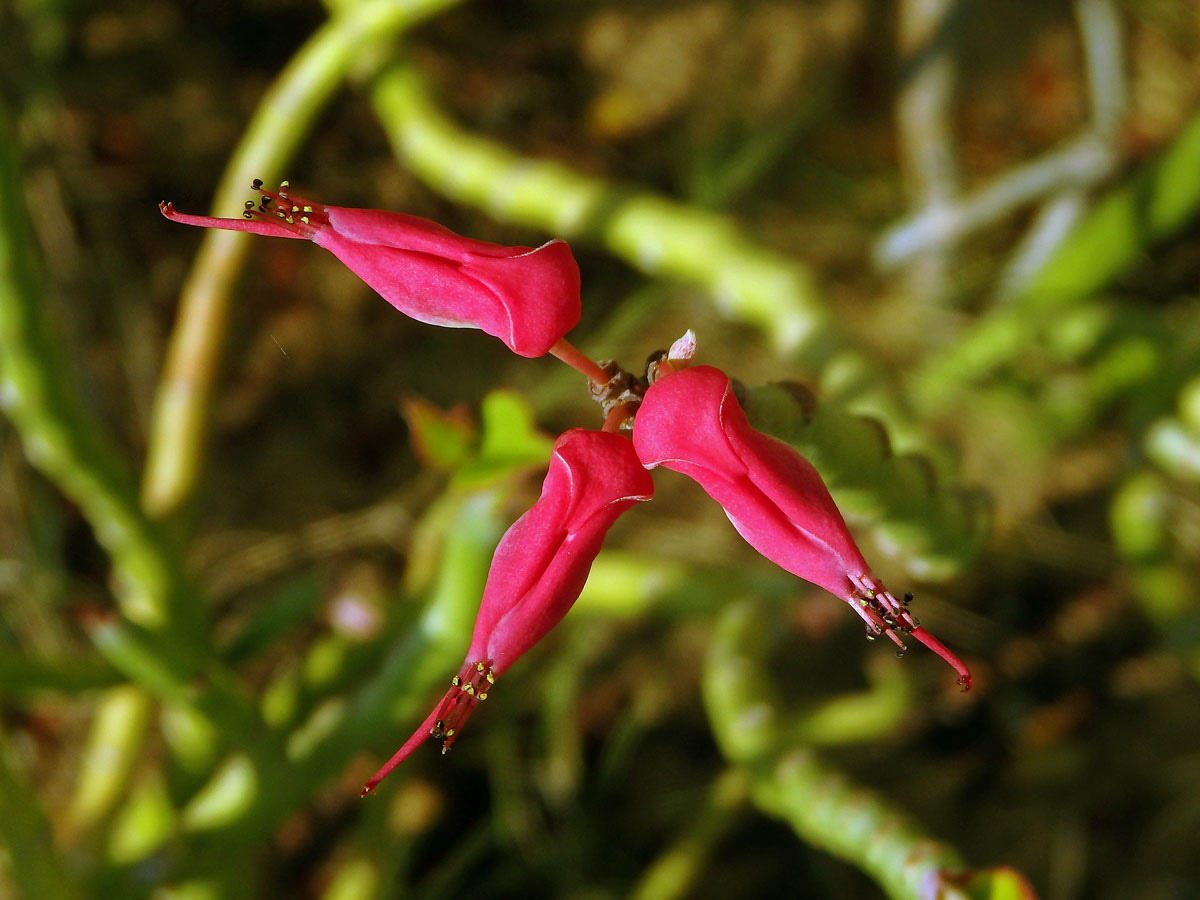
(538, 570)
(529, 298)
(690, 422)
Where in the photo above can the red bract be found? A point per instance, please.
(529, 298)
(691, 422)
(538, 571)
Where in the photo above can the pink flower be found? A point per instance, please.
(690, 422)
(538, 571)
(529, 298)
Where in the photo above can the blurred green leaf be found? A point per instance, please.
(510, 440)
(443, 440)
(996, 884)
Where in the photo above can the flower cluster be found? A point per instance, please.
(683, 418)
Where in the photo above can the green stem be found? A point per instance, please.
(676, 871)
(61, 438)
(284, 118)
(37, 868)
(824, 807)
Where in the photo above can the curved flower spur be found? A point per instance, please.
(691, 422)
(527, 297)
(538, 571)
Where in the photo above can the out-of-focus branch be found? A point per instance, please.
(1081, 163)
(676, 871)
(1104, 67)
(1084, 161)
(824, 807)
(1152, 204)
(62, 440)
(924, 113)
(36, 868)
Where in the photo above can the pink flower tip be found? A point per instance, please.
(691, 422)
(527, 297)
(538, 571)
(468, 689)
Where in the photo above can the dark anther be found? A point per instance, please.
(249, 204)
(256, 184)
(247, 215)
(907, 598)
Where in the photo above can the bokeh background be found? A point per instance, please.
(246, 508)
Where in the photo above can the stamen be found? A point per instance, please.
(964, 674)
(460, 701)
(286, 210)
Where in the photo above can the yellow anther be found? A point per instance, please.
(455, 681)
(304, 219)
(308, 209)
(491, 679)
(483, 695)
(450, 733)
(295, 209)
(470, 689)
(478, 667)
(284, 184)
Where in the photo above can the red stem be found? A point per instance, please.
(577, 361)
(614, 418)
